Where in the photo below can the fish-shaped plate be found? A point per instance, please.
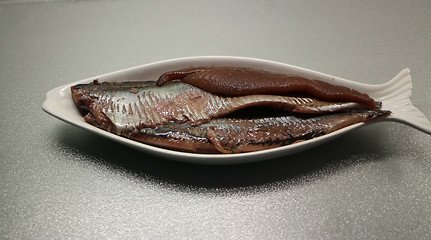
(394, 95)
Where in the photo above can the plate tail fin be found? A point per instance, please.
(395, 96)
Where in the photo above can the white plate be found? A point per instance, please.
(394, 95)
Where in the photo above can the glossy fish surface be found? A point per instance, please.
(233, 81)
(235, 135)
(125, 108)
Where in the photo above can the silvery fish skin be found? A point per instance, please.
(125, 108)
(235, 135)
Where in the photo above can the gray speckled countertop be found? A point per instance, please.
(59, 182)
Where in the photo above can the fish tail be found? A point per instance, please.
(377, 113)
(395, 96)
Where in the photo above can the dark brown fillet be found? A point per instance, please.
(232, 81)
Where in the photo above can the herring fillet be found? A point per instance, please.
(235, 135)
(125, 108)
(239, 81)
